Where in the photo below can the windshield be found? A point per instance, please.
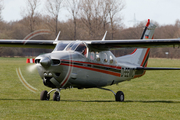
(72, 46)
(61, 46)
(77, 46)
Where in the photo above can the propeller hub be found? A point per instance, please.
(45, 62)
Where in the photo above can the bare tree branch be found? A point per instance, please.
(53, 7)
(1, 9)
(30, 12)
(73, 7)
(114, 8)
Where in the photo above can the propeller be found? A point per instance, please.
(31, 68)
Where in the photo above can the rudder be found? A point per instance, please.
(140, 56)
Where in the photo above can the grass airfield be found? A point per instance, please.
(156, 95)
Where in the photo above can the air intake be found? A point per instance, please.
(56, 62)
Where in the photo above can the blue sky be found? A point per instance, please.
(161, 11)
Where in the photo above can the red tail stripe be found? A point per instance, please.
(145, 56)
(148, 23)
(134, 51)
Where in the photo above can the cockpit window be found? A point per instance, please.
(61, 46)
(82, 49)
(72, 46)
(69, 47)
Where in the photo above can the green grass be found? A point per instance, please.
(153, 96)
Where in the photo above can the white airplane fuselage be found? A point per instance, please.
(95, 69)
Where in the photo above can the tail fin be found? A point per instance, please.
(140, 56)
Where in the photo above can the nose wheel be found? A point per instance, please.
(46, 95)
(56, 96)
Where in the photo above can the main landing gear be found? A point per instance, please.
(46, 95)
(119, 96)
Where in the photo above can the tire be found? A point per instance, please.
(56, 96)
(119, 96)
(44, 95)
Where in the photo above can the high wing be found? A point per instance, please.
(139, 43)
(48, 44)
(101, 45)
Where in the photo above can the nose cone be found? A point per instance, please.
(45, 62)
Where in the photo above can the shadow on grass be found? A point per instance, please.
(6, 99)
(152, 101)
(100, 101)
(126, 101)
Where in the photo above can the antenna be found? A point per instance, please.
(104, 36)
(56, 40)
(57, 36)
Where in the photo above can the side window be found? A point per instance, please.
(111, 59)
(105, 57)
(97, 57)
(92, 56)
(82, 49)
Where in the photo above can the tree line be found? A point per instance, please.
(90, 19)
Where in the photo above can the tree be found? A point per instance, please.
(1, 8)
(114, 8)
(86, 14)
(53, 8)
(30, 12)
(92, 14)
(74, 7)
(98, 14)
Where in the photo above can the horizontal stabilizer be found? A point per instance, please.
(154, 68)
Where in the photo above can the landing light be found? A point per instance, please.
(45, 74)
(48, 74)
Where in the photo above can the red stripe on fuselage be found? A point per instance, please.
(95, 69)
(90, 63)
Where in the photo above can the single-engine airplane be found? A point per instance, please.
(90, 64)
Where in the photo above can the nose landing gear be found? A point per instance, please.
(46, 95)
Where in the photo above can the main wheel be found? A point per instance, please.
(56, 96)
(120, 96)
(44, 95)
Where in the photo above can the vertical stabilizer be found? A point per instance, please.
(140, 56)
